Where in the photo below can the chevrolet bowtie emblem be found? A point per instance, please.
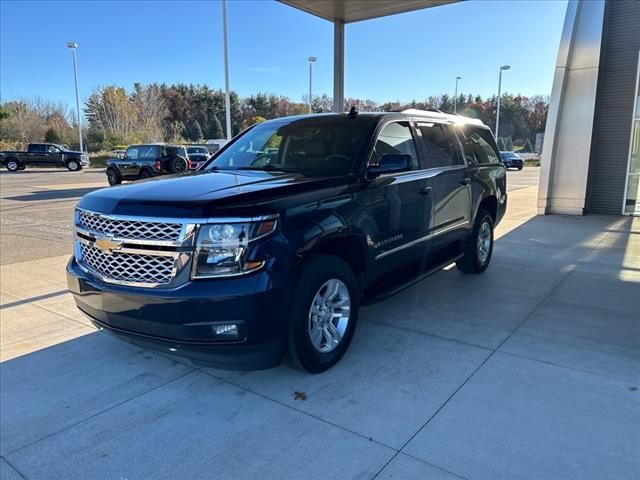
(107, 245)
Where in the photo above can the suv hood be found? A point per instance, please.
(212, 193)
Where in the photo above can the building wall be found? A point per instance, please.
(614, 107)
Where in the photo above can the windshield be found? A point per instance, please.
(197, 150)
(320, 146)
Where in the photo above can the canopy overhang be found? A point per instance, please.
(348, 11)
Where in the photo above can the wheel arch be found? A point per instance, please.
(490, 204)
(349, 246)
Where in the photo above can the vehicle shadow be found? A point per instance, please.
(39, 195)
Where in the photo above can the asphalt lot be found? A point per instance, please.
(36, 208)
(529, 371)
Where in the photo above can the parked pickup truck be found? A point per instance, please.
(269, 249)
(44, 155)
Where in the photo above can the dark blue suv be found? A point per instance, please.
(269, 249)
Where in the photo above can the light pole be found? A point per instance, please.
(227, 95)
(502, 68)
(455, 97)
(311, 61)
(74, 46)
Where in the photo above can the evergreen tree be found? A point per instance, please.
(215, 128)
(196, 131)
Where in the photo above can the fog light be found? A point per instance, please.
(226, 329)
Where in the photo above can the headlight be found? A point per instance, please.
(222, 248)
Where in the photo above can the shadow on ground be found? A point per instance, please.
(39, 195)
(527, 371)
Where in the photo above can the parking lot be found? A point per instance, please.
(530, 370)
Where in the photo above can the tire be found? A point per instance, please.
(519, 168)
(308, 347)
(22, 167)
(73, 165)
(479, 246)
(177, 165)
(12, 165)
(144, 173)
(113, 177)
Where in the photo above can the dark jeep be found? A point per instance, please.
(269, 249)
(144, 161)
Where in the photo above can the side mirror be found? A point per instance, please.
(390, 163)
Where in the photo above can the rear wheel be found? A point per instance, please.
(144, 173)
(479, 246)
(12, 165)
(113, 177)
(73, 165)
(323, 315)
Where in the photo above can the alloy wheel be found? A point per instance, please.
(484, 242)
(329, 315)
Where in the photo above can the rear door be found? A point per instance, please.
(36, 154)
(450, 179)
(399, 203)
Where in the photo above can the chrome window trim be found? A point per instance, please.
(429, 236)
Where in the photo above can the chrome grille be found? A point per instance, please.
(130, 229)
(120, 267)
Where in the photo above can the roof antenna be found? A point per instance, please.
(353, 112)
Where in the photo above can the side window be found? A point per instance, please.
(148, 152)
(396, 138)
(478, 141)
(53, 149)
(37, 148)
(439, 146)
(132, 153)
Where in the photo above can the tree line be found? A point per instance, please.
(184, 113)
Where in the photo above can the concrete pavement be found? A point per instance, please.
(527, 371)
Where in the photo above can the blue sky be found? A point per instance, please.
(400, 57)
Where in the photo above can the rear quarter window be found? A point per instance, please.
(480, 143)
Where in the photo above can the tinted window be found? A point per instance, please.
(396, 138)
(37, 148)
(148, 151)
(481, 143)
(202, 150)
(439, 149)
(132, 153)
(314, 147)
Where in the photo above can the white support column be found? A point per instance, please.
(338, 65)
(567, 141)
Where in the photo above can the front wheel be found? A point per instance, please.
(73, 165)
(479, 246)
(113, 177)
(323, 316)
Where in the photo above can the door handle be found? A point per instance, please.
(425, 190)
(465, 181)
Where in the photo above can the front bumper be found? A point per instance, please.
(179, 320)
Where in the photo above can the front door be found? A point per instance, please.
(53, 155)
(400, 203)
(129, 164)
(450, 182)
